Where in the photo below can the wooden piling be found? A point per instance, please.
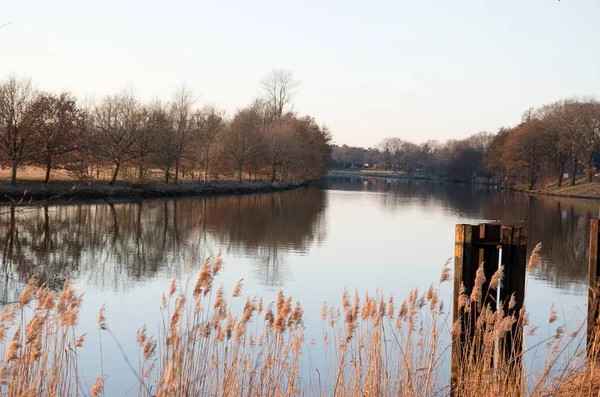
(512, 292)
(481, 244)
(465, 266)
(489, 254)
(593, 290)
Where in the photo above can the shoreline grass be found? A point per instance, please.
(583, 189)
(372, 346)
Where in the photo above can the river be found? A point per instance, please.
(366, 234)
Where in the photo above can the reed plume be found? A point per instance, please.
(207, 347)
(535, 259)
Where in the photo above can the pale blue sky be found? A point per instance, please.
(415, 69)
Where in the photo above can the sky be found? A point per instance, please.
(418, 70)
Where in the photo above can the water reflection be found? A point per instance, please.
(560, 224)
(113, 246)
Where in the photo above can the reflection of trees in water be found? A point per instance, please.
(560, 224)
(41, 242)
(113, 245)
(462, 199)
(565, 233)
(265, 226)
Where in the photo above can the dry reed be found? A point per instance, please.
(370, 347)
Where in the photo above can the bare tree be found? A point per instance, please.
(480, 141)
(181, 114)
(152, 120)
(208, 123)
(242, 140)
(278, 90)
(521, 151)
(85, 162)
(313, 154)
(15, 137)
(411, 158)
(392, 153)
(429, 153)
(554, 144)
(54, 119)
(571, 124)
(281, 145)
(118, 122)
(591, 129)
(494, 161)
(162, 139)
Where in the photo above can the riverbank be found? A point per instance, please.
(582, 189)
(381, 174)
(28, 191)
(402, 175)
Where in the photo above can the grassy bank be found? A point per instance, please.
(582, 189)
(67, 190)
(371, 346)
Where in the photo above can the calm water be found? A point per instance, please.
(364, 234)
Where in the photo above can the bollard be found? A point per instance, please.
(593, 284)
(483, 244)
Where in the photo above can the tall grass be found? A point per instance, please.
(371, 346)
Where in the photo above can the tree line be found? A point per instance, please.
(453, 159)
(171, 140)
(552, 144)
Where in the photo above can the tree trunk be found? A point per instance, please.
(177, 171)
(562, 172)
(273, 172)
(239, 174)
(206, 171)
(532, 173)
(591, 174)
(13, 178)
(531, 179)
(167, 171)
(115, 174)
(48, 168)
(141, 174)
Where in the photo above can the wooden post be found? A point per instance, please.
(593, 345)
(514, 260)
(512, 292)
(464, 274)
(476, 245)
(489, 255)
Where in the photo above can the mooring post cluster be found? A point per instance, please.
(492, 246)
